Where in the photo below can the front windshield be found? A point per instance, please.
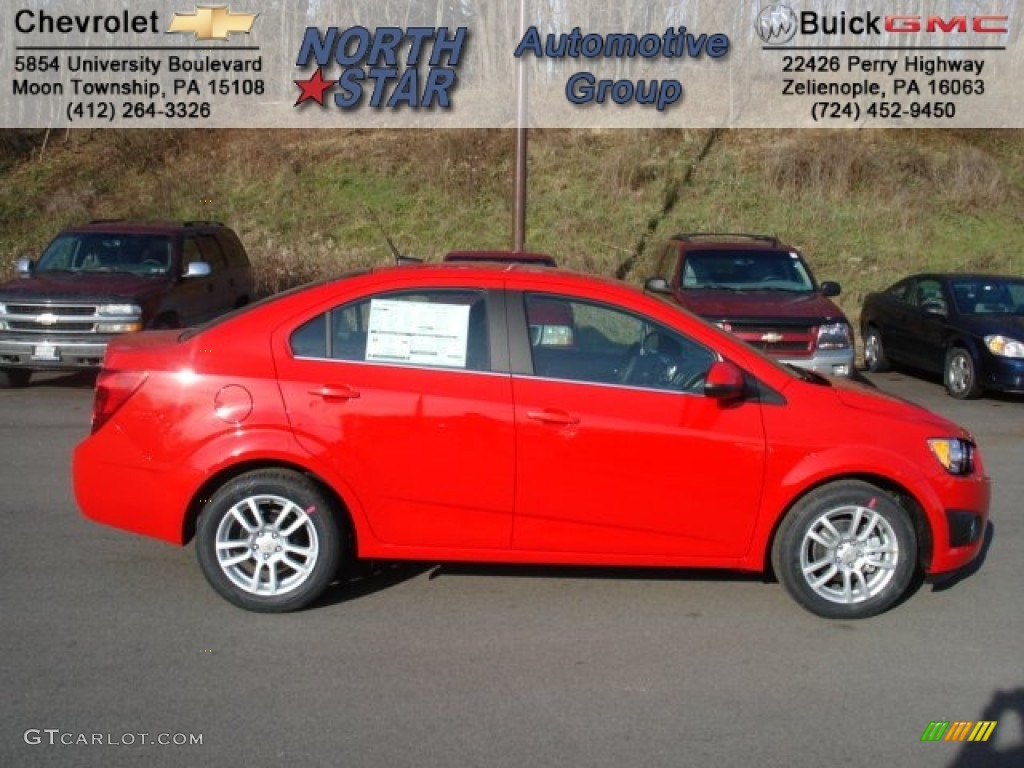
(95, 252)
(988, 295)
(746, 270)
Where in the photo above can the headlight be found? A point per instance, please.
(1002, 346)
(119, 310)
(118, 327)
(834, 336)
(955, 455)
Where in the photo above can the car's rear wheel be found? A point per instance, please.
(874, 352)
(269, 541)
(961, 375)
(846, 551)
(15, 377)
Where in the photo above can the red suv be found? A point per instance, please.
(105, 278)
(410, 412)
(763, 291)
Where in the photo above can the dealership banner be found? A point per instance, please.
(502, 63)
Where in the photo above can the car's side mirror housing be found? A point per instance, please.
(657, 285)
(934, 307)
(197, 269)
(24, 266)
(831, 288)
(725, 382)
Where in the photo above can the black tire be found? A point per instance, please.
(960, 375)
(846, 550)
(286, 552)
(15, 378)
(874, 353)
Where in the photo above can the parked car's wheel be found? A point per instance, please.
(269, 541)
(15, 377)
(961, 375)
(874, 352)
(846, 551)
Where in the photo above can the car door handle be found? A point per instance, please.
(335, 393)
(549, 416)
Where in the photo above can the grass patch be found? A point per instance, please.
(866, 207)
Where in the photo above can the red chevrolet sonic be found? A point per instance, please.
(447, 413)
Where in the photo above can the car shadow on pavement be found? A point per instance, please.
(85, 379)
(947, 581)
(366, 577)
(610, 573)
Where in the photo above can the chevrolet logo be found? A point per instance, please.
(212, 22)
(771, 338)
(47, 318)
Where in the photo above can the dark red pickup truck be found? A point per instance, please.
(763, 291)
(105, 278)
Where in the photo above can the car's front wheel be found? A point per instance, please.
(961, 375)
(269, 541)
(874, 352)
(846, 551)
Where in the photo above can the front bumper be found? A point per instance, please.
(837, 362)
(1004, 374)
(958, 538)
(43, 353)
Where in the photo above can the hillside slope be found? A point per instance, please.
(865, 206)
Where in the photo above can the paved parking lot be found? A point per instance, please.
(109, 637)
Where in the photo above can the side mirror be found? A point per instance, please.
(725, 382)
(657, 285)
(935, 307)
(830, 288)
(198, 269)
(24, 266)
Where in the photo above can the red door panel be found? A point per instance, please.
(613, 469)
(429, 452)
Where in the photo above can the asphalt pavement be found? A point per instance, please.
(113, 644)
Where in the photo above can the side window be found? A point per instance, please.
(901, 291)
(611, 346)
(928, 295)
(232, 247)
(190, 253)
(212, 253)
(433, 329)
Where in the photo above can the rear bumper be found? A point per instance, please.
(116, 486)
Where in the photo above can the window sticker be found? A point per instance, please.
(418, 333)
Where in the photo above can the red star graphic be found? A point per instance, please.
(313, 88)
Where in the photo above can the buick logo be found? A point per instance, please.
(776, 24)
(47, 318)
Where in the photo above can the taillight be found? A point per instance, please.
(113, 388)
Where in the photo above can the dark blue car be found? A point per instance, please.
(967, 327)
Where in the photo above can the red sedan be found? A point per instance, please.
(411, 412)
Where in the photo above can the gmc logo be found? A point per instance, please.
(988, 24)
